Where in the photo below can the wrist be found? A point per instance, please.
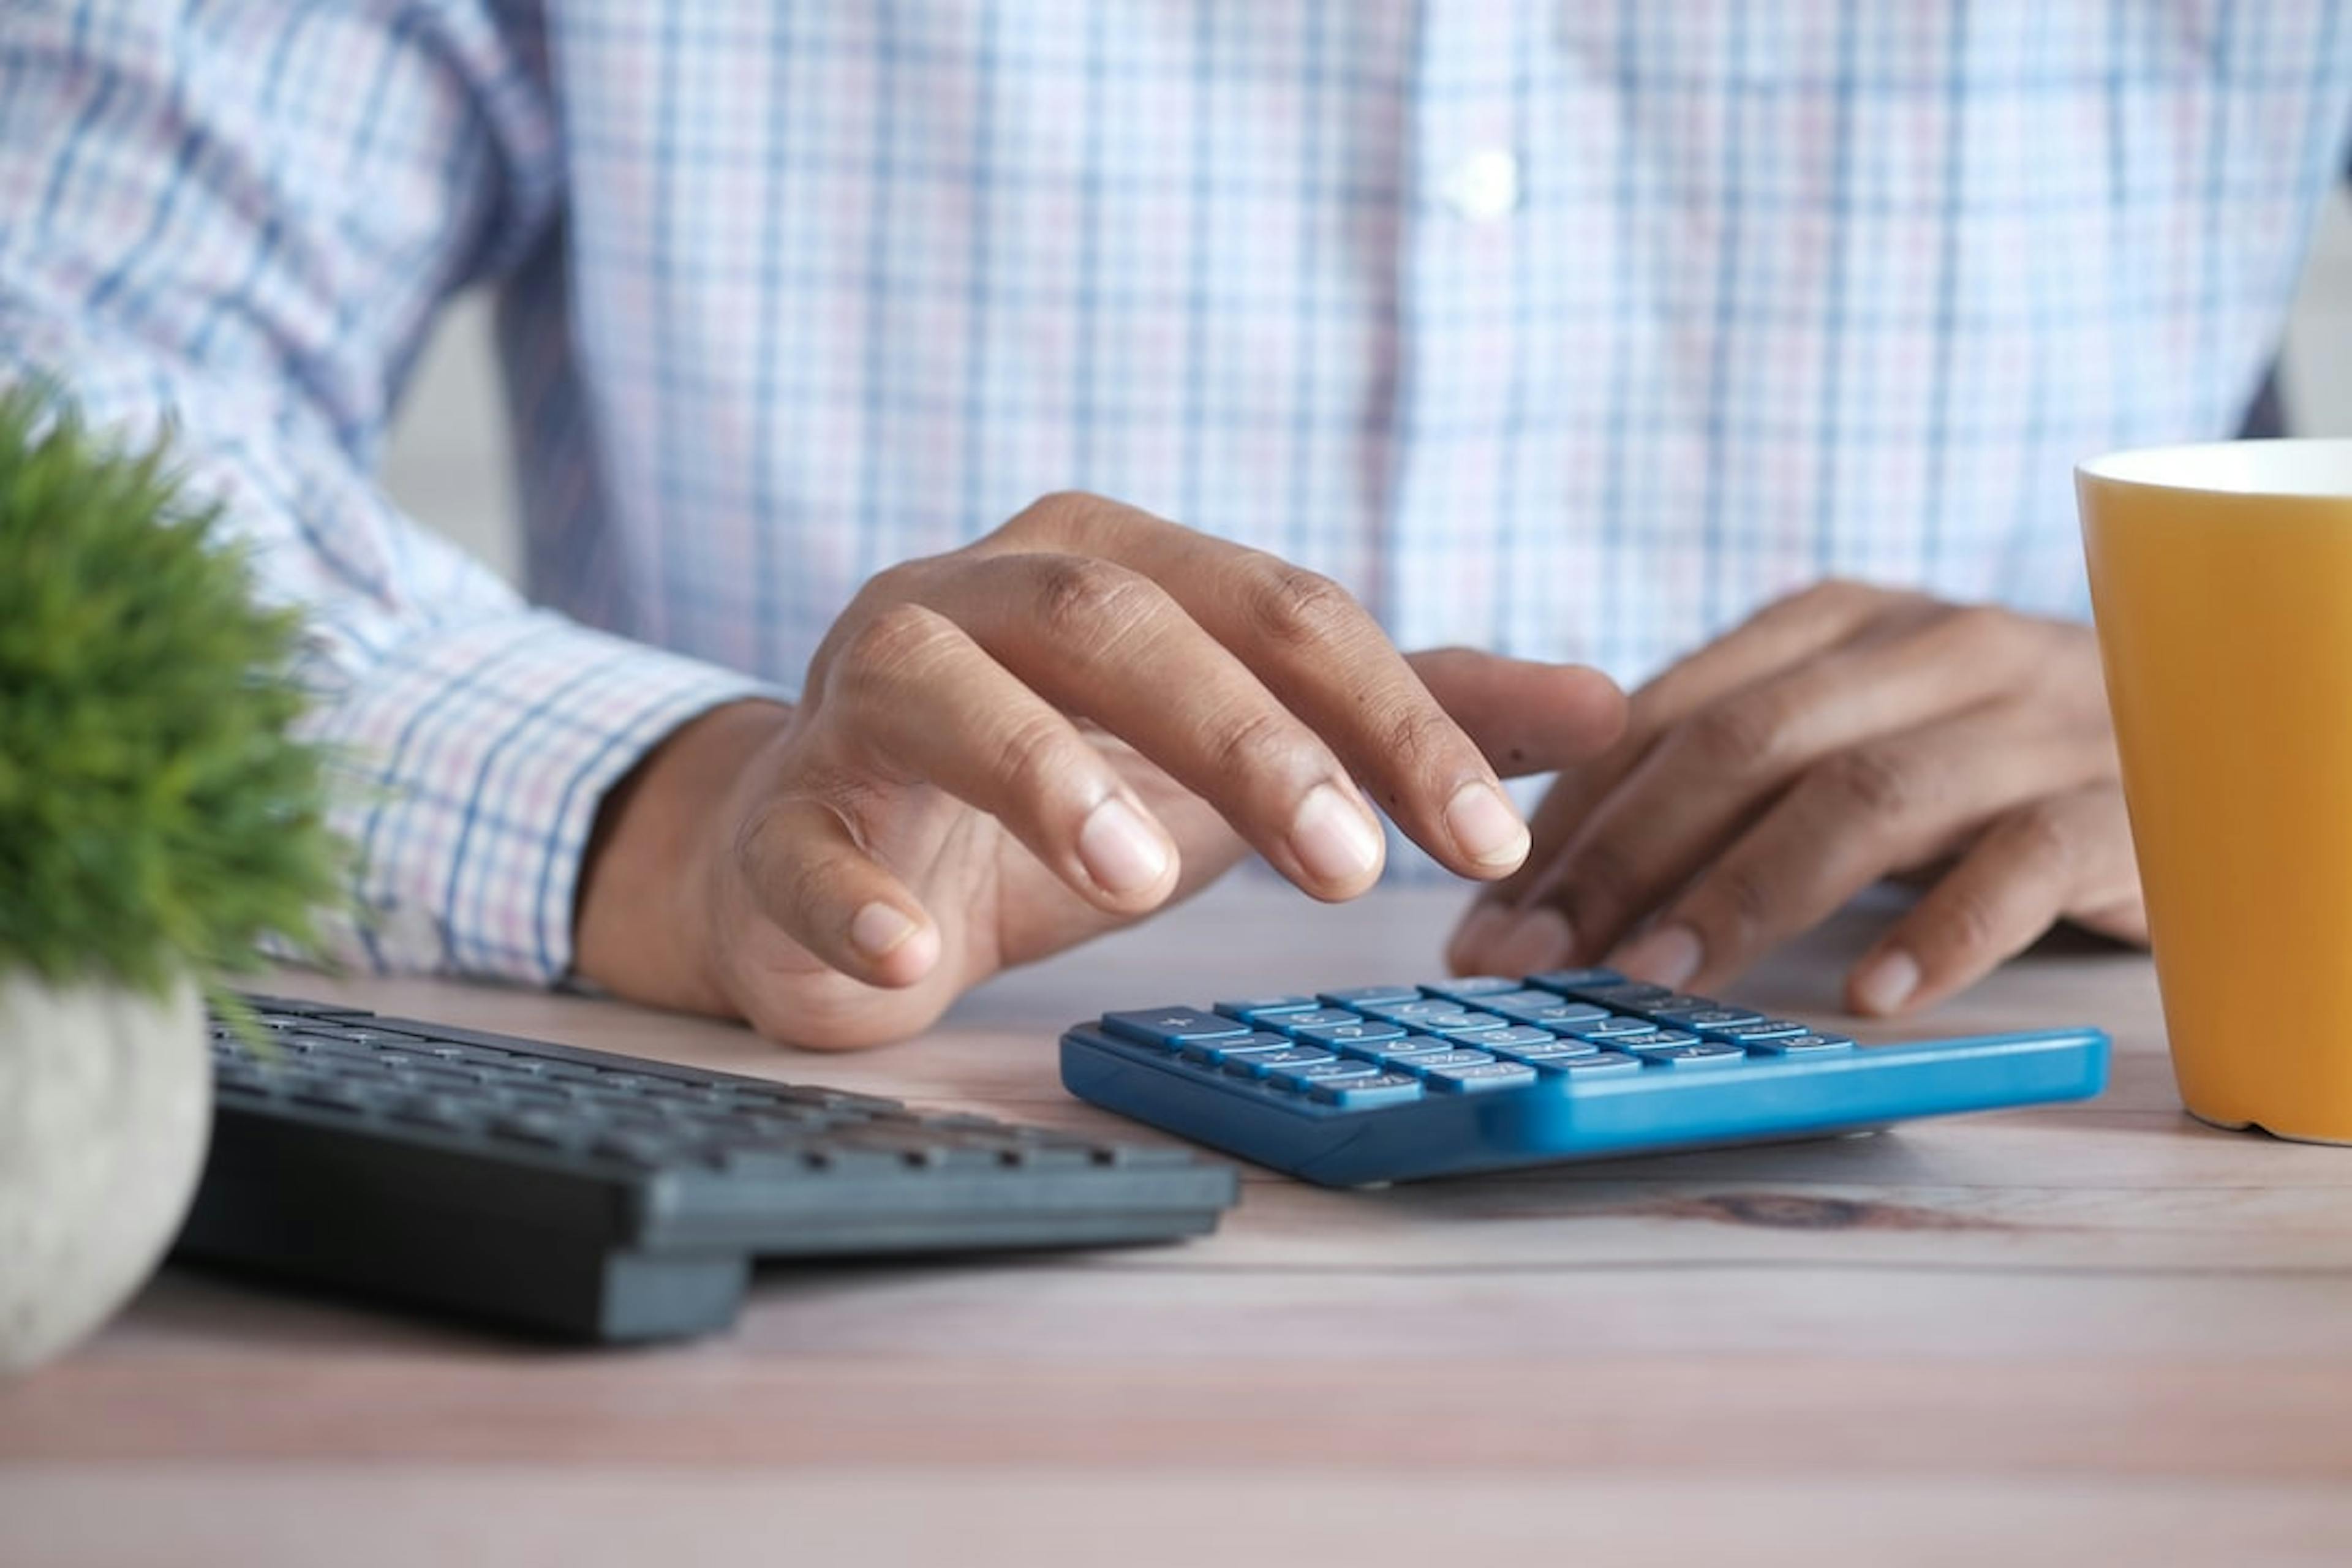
(641, 919)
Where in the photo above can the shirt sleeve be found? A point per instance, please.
(234, 221)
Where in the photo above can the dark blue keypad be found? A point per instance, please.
(1249, 1009)
(1366, 995)
(1172, 1027)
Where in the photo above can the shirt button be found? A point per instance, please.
(1483, 187)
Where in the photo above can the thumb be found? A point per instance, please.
(1527, 717)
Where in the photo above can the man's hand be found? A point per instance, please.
(1004, 750)
(1842, 735)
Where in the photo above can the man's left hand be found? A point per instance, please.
(1844, 735)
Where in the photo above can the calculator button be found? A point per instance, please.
(1542, 1007)
(1695, 1056)
(1362, 1031)
(1412, 1012)
(1367, 1093)
(1458, 1023)
(1472, 987)
(1434, 1060)
(1366, 995)
(1806, 1044)
(1519, 1038)
(1255, 1064)
(1672, 1006)
(1610, 1029)
(1170, 1028)
(1566, 980)
(1762, 1029)
(1217, 1053)
(1411, 1048)
(1305, 1079)
(1632, 996)
(1606, 1064)
(1653, 1040)
(1321, 1017)
(1248, 1009)
(1709, 1018)
(1474, 1080)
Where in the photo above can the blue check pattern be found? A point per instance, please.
(1574, 330)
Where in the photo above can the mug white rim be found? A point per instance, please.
(2318, 467)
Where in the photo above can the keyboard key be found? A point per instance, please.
(1630, 995)
(1363, 995)
(1171, 1028)
(1248, 1009)
(1700, 1054)
(1472, 987)
(1367, 1093)
(1257, 1065)
(1805, 1044)
(1217, 1053)
(1410, 1048)
(1474, 1080)
(1362, 1031)
(1412, 1012)
(1517, 1037)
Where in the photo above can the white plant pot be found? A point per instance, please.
(105, 1105)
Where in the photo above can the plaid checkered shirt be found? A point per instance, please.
(1574, 330)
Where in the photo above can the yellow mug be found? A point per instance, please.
(2222, 582)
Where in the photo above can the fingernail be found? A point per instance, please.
(1332, 839)
(877, 929)
(1476, 936)
(1485, 828)
(1886, 982)
(1121, 852)
(1666, 956)
(1538, 939)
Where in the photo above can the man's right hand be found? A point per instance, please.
(1004, 750)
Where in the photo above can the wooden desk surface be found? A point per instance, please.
(2099, 1326)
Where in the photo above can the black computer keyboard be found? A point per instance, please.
(598, 1197)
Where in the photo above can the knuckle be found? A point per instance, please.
(1298, 608)
(1046, 518)
(1736, 738)
(1250, 742)
(1033, 758)
(1416, 738)
(1740, 899)
(1874, 781)
(1083, 598)
(2039, 836)
(1972, 925)
(879, 653)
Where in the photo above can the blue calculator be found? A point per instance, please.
(1392, 1083)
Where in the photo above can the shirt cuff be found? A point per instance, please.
(472, 762)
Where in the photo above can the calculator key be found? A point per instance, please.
(1457, 1022)
(1672, 1006)
(1319, 1018)
(1305, 1079)
(1651, 1040)
(1366, 995)
(1631, 995)
(1472, 987)
(1762, 1029)
(1608, 1029)
(1259, 1064)
(1217, 1053)
(1709, 1018)
(1698, 1054)
(1519, 1038)
(1566, 980)
(1805, 1044)
(1410, 1048)
(1367, 1093)
(1476, 1080)
(1542, 1007)
(1172, 1027)
(1362, 1031)
(1249, 1009)
(1604, 1064)
(1412, 1012)
(1434, 1060)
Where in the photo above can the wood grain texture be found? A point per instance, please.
(2087, 1327)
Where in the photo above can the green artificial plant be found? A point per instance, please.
(157, 816)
